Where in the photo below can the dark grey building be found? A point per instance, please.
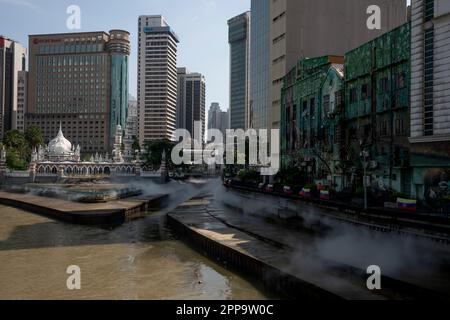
(191, 101)
(259, 63)
(239, 40)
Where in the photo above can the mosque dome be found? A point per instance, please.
(60, 145)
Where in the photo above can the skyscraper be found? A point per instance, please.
(430, 98)
(259, 63)
(22, 92)
(308, 29)
(12, 61)
(157, 79)
(239, 40)
(430, 78)
(191, 101)
(218, 119)
(79, 80)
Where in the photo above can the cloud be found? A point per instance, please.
(20, 3)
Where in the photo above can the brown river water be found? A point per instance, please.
(139, 260)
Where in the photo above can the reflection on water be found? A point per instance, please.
(139, 260)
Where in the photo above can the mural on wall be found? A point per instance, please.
(436, 182)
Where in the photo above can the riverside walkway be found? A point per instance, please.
(279, 258)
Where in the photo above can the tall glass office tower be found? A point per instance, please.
(259, 63)
(239, 40)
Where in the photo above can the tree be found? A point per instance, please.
(15, 161)
(136, 146)
(34, 137)
(17, 150)
(154, 150)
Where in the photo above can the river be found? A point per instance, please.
(139, 260)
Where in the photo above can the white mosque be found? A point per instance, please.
(60, 158)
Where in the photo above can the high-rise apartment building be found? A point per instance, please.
(22, 92)
(157, 79)
(259, 63)
(430, 98)
(191, 102)
(79, 81)
(239, 40)
(307, 29)
(12, 61)
(218, 119)
(430, 78)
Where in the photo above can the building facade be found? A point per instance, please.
(239, 39)
(296, 26)
(22, 101)
(338, 119)
(131, 131)
(157, 79)
(218, 119)
(377, 78)
(12, 60)
(79, 81)
(430, 98)
(259, 63)
(191, 102)
(311, 126)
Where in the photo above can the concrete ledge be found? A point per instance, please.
(272, 278)
(111, 214)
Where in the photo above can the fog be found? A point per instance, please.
(318, 241)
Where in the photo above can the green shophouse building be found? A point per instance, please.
(377, 81)
(311, 117)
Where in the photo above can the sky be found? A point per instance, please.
(200, 24)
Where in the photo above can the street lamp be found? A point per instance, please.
(366, 180)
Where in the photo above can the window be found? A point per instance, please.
(353, 95)
(400, 82)
(429, 10)
(429, 83)
(313, 106)
(384, 85)
(326, 104)
(364, 91)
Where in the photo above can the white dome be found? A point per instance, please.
(60, 145)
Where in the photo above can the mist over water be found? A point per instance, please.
(318, 241)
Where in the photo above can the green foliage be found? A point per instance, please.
(249, 176)
(15, 140)
(20, 145)
(395, 195)
(34, 137)
(311, 187)
(154, 150)
(292, 177)
(136, 145)
(15, 161)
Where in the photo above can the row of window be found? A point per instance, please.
(70, 48)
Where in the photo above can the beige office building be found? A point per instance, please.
(157, 79)
(79, 81)
(306, 29)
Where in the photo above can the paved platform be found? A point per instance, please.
(320, 281)
(289, 252)
(112, 212)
